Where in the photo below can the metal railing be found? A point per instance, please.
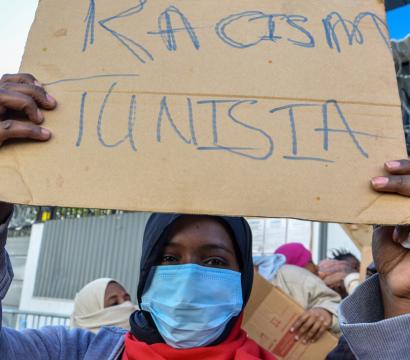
(25, 216)
(20, 320)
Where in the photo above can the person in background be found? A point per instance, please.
(296, 254)
(341, 272)
(345, 255)
(291, 269)
(102, 302)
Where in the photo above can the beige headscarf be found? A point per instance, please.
(89, 312)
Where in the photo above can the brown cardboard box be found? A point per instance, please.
(268, 317)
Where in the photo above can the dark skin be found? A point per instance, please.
(202, 241)
(22, 99)
(391, 259)
(115, 294)
(333, 272)
(312, 324)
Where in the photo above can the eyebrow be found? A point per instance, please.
(113, 296)
(206, 247)
(219, 247)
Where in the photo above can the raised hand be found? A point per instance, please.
(21, 98)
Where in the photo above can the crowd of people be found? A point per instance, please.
(196, 276)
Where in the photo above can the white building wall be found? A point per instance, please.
(28, 302)
(269, 234)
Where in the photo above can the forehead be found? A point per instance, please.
(199, 226)
(113, 288)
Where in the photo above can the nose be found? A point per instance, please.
(190, 258)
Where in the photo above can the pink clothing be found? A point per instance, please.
(295, 253)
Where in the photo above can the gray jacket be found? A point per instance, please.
(369, 335)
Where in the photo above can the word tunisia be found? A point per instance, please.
(222, 110)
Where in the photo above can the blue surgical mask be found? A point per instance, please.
(191, 304)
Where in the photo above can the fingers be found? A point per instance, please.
(20, 79)
(322, 329)
(335, 279)
(10, 100)
(13, 129)
(398, 167)
(37, 93)
(299, 322)
(311, 325)
(312, 333)
(22, 93)
(332, 266)
(306, 327)
(399, 184)
(399, 180)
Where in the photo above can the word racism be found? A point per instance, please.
(220, 110)
(241, 30)
(173, 21)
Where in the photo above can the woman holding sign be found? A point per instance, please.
(196, 277)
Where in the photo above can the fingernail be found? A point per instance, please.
(50, 99)
(297, 338)
(380, 181)
(45, 132)
(40, 115)
(393, 164)
(37, 83)
(292, 329)
(304, 342)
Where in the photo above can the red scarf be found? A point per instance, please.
(236, 347)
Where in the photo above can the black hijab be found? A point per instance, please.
(158, 225)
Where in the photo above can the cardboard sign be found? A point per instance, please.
(365, 261)
(270, 314)
(262, 108)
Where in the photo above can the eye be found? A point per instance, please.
(216, 262)
(168, 259)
